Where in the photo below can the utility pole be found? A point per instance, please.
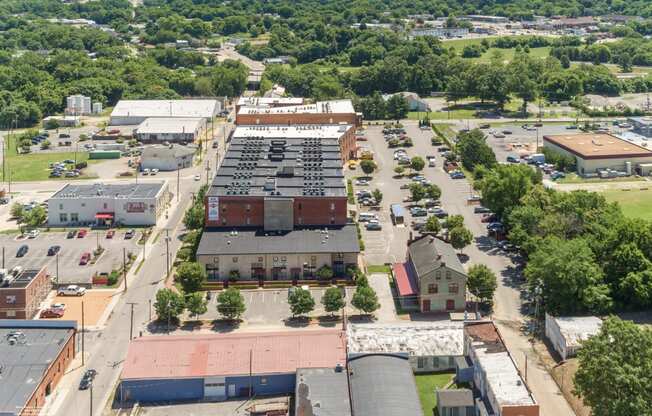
(208, 171)
(91, 401)
(131, 320)
(178, 182)
(167, 252)
(124, 266)
(525, 354)
(3, 259)
(3, 264)
(150, 310)
(83, 332)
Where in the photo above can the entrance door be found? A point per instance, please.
(450, 304)
(214, 388)
(231, 390)
(426, 305)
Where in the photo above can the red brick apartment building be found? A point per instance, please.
(322, 112)
(33, 349)
(21, 295)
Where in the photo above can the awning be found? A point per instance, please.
(404, 283)
(104, 216)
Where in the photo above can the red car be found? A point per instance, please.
(82, 233)
(489, 218)
(85, 258)
(110, 233)
(52, 313)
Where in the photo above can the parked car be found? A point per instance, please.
(507, 131)
(22, 250)
(418, 212)
(53, 250)
(438, 212)
(85, 258)
(145, 172)
(489, 218)
(495, 225)
(110, 233)
(457, 175)
(404, 186)
(51, 313)
(481, 210)
(418, 225)
(373, 225)
(197, 177)
(82, 233)
(71, 234)
(87, 379)
(130, 234)
(71, 290)
(418, 178)
(59, 306)
(33, 233)
(154, 171)
(506, 246)
(557, 175)
(362, 182)
(512, 159)
(215, 144)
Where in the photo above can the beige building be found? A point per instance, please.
(600, 151)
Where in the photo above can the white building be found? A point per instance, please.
(167, 158)
(567, 333)
(97, 107)
(184, 130)
(78, 105)
(108, 204)
(415, 103)
(430, 346)
(133, 112)
(62, 121)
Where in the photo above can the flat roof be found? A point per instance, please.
(647, 121)
(193, 356)
(169, 125)
(160, 150)
(576, 329)
(21, 281)
(269, 101)
(302, 131)
(165, 108)
(597, 146)
(455, 397)
(113, 190)
(342, 239)
(288, 166)
(320, 107)
(419, 339)
(24, 363)
(322, 392)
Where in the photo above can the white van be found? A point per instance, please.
(367, 216)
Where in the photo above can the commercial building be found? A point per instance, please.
(383, 385)
(574, 22)
(223, 366)
(432, 279)
(134, 112)
(108, 204)
(322, 112)
(21, 295)
(167, 157)
(595, 152)
(173, 130)
(567, 333)
(267, 102)
(455, 402)
(78, 105)
(641, 125)
(439, 32)
(35, 355)
(498, 381)
(61, 121)
(277, 208)
(428, 346)
(322, 392)
(343, 134)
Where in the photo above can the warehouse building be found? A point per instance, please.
(108, 204)
(641, 125)
(223, 366)
(322, 392)
(428, 346)
(595, 152)
(567, 333)
(167, 157)
(134, 112)
(21, 295)
(322, 112)
(268, 102)
(35, 355)
(173, 130)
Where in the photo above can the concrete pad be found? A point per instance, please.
(95, 302)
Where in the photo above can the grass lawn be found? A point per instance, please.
(508, 54)
(574, 178)
(427, 384)
(634, 203)
(379, 268)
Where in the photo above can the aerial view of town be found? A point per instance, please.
(326, 208)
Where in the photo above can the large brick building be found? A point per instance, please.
(21, 295)
(322, 112)
(277, 208)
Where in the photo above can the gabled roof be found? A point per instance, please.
(429, 253)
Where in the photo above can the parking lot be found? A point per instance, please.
(520, 140)
(95, 302)
(70, 271)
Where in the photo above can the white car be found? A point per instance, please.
(197, 177)
(71, 290)
(145, 171)
(154, 171)
(362, 182)
(33, 234)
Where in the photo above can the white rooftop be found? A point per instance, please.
(440, 338)
(269, 101)
(578, 328)
(323, 131)
(327, 107)
(503, 380)
(166, 108)
(169, 125)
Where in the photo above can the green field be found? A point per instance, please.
(508, 54)
(427, 384)
(634, 203)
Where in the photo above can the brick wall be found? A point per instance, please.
(27, 299)
(531, 410)
(348, 145)
(295, 118)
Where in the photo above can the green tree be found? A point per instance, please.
(191, 276)
(378, 195)
(503, 187)
(454, 221)
(231, 304)
(460, 237)
(432, 225)
(474, 151)
(17, 211)
(301, 302)
(325, 272)
(368, 166)
(625, 349)
(365, 299)
(333, 300)
(193, 219)
(196, 304)
(397, 107)
(417, 163)
(417, 192)
(399, 170)
(35, 216)
(169, 305)
(432, 191)
(482, 282)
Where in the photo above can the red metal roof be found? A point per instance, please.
(404, 282)
(228, 354)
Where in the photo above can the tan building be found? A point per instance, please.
(600, 151)
(432, 278)
(21, 295)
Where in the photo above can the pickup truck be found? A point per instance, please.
(71, 290)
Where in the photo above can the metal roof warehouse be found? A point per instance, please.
(128, 112)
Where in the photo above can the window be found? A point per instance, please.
(275, 258)
(63, 217)
(435, 362)
(223, 221)
(332, 220)
(453, 288)
(74, 217)
(60, 206)
(106, 206)
(248, 207)
(451, 361)
(421, 362)
(332, 206)
(263, 381)
(248, 220)
(432, 288)
(448, 274)
(438, 274)
(216, 260)
(299, 205)
(313, 258)
(283, 258)
(10, 299)
(260, 259)
(83, 204)
(235, 259)
(11, 314)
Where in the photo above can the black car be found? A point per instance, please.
(71, 234)
(481, 210)
(53, 250)
(22, 250)
(87, 379)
